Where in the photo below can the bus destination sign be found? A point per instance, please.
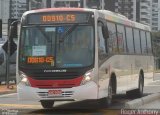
(51, 18)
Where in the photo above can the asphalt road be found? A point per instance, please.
(10, 103)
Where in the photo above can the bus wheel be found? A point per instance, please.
(107, 101)
(140, 85)
(47, 104)
(110, 94)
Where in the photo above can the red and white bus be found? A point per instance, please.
(77, 54)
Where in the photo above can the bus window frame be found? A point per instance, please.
(37, 25)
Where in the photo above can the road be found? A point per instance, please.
(10, 103)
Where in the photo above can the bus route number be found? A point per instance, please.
(59, 18)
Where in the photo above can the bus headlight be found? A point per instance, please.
(87, 77)
(24, 80)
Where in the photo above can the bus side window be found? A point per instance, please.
(137, 41)
(129, 36)
(121, 38)
(102, 43)
(149, 46)
(143, 42)
(112, 40)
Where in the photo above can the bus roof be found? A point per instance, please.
(118, 18)
(57, 9)
(108, 15)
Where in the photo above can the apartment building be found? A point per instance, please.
(145, 12)
(155, 21)
(37, 4)
(18, 7)
(4, 10)
(126, 8)
(65, 3)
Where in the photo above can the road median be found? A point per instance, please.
(135, 104)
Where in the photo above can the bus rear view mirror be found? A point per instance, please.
(13, 33)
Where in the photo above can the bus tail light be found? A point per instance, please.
(24, 79)
(87, 77)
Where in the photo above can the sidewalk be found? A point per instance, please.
(148, 102)
(5, 90)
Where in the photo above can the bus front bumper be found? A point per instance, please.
(83, 92)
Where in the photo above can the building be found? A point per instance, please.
(4, 10)
(149, 13)
(18, 7)
(155, 15)
(110, 5)
(65, 3)
(145, 12)
(126, 8)
(37, 4)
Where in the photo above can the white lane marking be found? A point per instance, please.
(6, 95)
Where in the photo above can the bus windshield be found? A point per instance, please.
(57, 46)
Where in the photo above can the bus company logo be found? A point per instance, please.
(48, 71)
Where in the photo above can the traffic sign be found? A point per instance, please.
(13, 47)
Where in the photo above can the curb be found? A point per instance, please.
(135, 104)
(7, 92)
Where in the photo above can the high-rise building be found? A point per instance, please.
(110, 5)
(155, 15)
(150, 13)
(145, 12)
(18, 7)
(37, 4)
(65, 3)
(4, 10)
(126, 8)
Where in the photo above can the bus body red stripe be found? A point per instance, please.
(68, 83)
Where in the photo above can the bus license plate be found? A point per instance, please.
(55, 93)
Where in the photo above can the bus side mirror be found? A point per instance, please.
(12, 33)
(105, 31)
(13, 30)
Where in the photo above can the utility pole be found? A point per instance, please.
(102, 4)
(8, 63)
(8, 50)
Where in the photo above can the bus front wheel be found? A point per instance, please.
(47, 104)
(107, 101)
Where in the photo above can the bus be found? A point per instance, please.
(69, 54)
